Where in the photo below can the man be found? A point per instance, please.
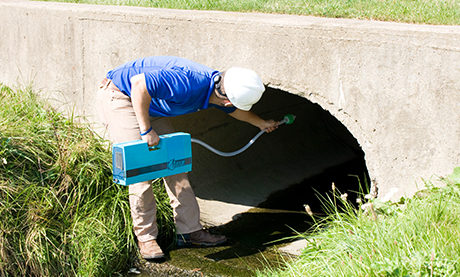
(134, 102)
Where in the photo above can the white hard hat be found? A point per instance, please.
(243, 87)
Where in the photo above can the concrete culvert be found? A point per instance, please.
(281, 170)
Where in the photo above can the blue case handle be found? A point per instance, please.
(156, 147)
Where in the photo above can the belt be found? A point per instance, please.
(107, 83)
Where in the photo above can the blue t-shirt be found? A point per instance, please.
(177, 86)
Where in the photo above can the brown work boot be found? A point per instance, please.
(150, 250)
(200, 238)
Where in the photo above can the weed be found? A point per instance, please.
(413, 237)
(60, 212)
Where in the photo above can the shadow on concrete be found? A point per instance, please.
(255, 231)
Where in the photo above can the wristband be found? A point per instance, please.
(148, 131)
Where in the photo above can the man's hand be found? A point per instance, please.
(151, 138)
(269, 125)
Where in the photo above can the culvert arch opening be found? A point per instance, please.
(282, 170)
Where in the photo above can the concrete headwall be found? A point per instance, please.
(395, 87)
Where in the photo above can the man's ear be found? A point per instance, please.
(227, 103)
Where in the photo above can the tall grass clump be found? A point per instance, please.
(60, 212)
(414, 237)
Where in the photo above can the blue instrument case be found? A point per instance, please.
(135, 161)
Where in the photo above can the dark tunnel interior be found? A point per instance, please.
(284, 169)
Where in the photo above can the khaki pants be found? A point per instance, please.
(117, 115)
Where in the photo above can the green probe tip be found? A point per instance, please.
(289, 118)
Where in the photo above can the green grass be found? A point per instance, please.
(61, 214)
(437, 12)
(415, 237)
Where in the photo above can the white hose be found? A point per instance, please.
(234, 153)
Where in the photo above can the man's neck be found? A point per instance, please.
(213, 99)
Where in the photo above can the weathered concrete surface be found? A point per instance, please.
(395, 87)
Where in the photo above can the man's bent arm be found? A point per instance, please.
(254, 119)
(141, 99)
